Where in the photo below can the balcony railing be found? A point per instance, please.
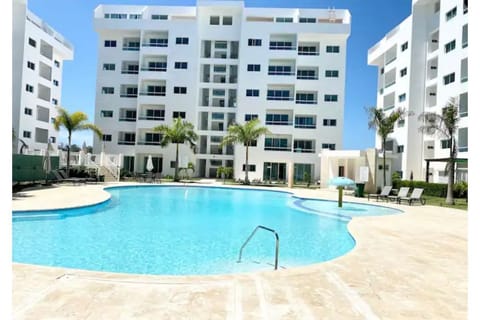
(273, 148)
(128, 119)
(160, 44)
(279, 123)
(390, 60)
(303, 150)
(281, 73)
(303, 77)
(126, 71)
(279, 98)
(152, 93)
(306, 126)
(158, 69)
(148, 143)
(389, 84)
(128, 95)
(131, 48)
(126, 142)
(300, 101)
(282, 46)
(145, 117)
(308, 53)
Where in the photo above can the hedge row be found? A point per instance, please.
(460, 190)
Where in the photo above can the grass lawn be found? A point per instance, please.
(440, 202)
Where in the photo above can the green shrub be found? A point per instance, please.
(460, 190)
(396, 179)
(429, 189)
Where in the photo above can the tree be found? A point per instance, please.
(246, 134)
(225, 172)
(384, 125)
(446, 125)
(179, 133)
(75, 121)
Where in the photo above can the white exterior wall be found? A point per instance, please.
(195, 24)
(28, 26)
(419, 29)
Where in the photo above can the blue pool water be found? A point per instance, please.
(186, 231)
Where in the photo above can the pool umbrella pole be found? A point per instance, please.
(341, 182)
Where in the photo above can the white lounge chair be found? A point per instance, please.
(402, 193)
(383, 195)
(415, 196)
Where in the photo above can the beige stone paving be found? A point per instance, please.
(407, 266)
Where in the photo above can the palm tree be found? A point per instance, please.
(446, 125)
(73, 122)
(246, 134)
(179, 133)
(384, 125)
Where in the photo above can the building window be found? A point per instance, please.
(462, 139)
(331, 73)
(30, 65)
(401, 123)
(55, 83)
(179, 114)
(330, 98)
(107, 90)
(27, 134)
(181, 40)
(404, 46)
(106, 113)
(254, 42)
(54, 101)
(180, 90)
(465, 6)
(227, 21)
(463, 105)
(214, 20)
(284, 19)
(465, 36)
(181, 65)
(445, 144)
(253, 67)
(28, 111)
(32, 42)
(109, 66)
(402, 97)
(449, 78)
(329, 122)
(249, 117)
(56, 63)
(135, 16)
(29, 88)
(53, 139)
(307, 20)
(403, 72)
(110, 43)
(253, 92)
(107, 137)
(400, 149)
(330, 146)
(450, 46)
(333, 49)
(451, 14)
(251, 167)
(159, 17)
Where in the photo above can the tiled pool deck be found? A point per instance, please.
(407, 266)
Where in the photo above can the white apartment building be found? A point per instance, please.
(421, 64)
(38, 56)
(215, 64)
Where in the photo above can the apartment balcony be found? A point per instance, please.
(128, 95)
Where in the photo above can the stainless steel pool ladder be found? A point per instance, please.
(277, 244)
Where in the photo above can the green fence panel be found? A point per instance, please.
(30, 168)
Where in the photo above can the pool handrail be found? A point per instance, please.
(277, 243)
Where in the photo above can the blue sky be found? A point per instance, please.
(371, 20)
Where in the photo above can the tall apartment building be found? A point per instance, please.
(422, 63)
(215, 64)
(38, 55)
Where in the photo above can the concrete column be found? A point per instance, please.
(290, 174)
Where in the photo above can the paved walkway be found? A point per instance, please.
(407, 266)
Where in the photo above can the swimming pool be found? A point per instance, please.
(177, 230)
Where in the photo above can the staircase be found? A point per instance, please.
(108, 176)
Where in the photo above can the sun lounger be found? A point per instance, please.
(415, 196)
(401, 194)
(383, 195)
